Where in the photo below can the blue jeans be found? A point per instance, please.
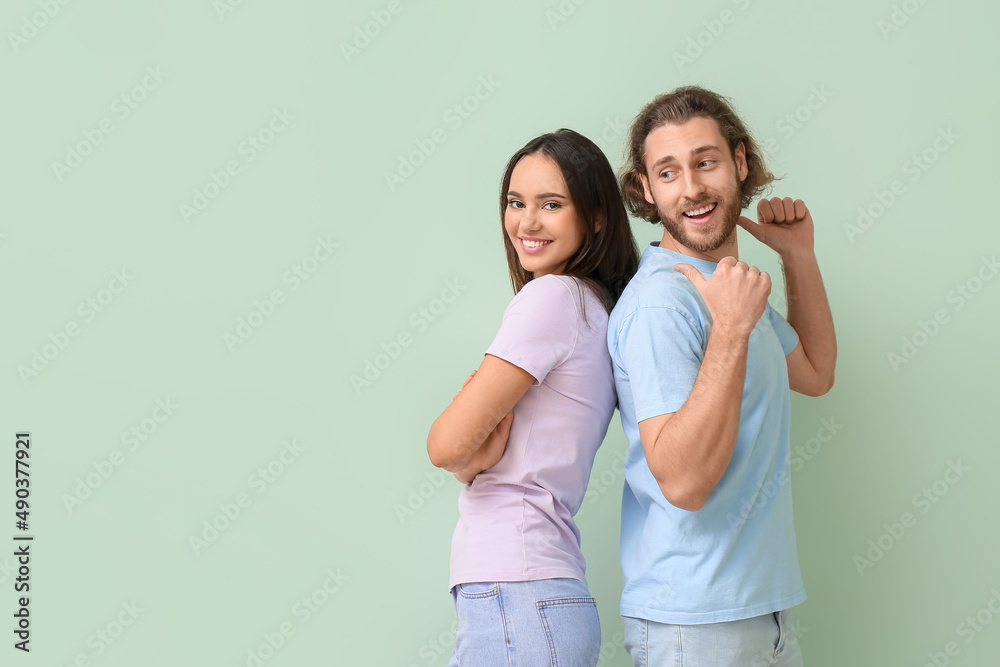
(526, 624)
(762, 641)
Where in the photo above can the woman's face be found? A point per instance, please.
(540, 218)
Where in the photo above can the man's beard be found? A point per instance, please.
(719, 230)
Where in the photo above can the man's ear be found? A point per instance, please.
(740, 155)
(645, 189)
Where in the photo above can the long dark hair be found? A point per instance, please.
(607, 259)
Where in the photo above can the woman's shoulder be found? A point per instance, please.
(547, 290)
(568, 299)
(550, 282)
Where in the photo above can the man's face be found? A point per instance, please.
(693, 181)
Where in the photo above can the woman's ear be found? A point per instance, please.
(598, 223)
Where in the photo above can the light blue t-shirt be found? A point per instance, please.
(735, 557)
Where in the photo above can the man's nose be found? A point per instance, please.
(694, 187)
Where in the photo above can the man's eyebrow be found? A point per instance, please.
(670, 158)
(544, 195)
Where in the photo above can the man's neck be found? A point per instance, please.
(728, 249)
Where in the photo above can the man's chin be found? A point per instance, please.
(710, 241)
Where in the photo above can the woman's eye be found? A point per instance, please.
(513, 203)
(551, 205)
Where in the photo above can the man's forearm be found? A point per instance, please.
(695, 445)
(809, 312)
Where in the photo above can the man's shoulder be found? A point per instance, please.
(658, 286)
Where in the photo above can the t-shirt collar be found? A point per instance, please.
(702, 265)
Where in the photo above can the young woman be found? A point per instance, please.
(523, 431)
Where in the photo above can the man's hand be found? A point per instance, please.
(735, 294)
(783, 225)
(689, 450)
(786, 227)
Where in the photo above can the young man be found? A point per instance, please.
(703, 367)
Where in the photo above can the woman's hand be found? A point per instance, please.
(471, 434)
(490, 453)
(492, 450)
(464, 384)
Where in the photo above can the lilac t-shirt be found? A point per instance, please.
(516, 519)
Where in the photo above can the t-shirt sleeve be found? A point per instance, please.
(661, 349)
(787, 336)
(540, 327)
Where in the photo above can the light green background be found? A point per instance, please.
(337, 507)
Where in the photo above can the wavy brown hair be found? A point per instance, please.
(677, 107)
(607, 259)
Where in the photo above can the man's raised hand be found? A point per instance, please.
(783, 225)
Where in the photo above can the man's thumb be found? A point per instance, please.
(756, 229)
(690, 273)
